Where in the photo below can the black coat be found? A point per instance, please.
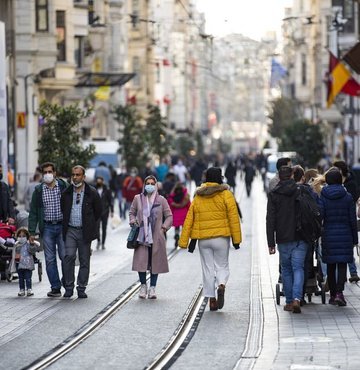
(6, 205)
(107, 201)
(91, 211)
(281, 216)
(351, 186)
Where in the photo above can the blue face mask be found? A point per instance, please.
(150, 188)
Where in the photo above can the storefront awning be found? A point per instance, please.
(104, 79)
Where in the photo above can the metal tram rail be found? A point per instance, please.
(89, 327)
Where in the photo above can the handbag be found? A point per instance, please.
(132, 242)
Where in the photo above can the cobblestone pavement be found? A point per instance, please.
(18, 314)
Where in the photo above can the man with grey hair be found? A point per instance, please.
(81, 208)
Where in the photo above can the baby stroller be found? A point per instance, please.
(7, 243)
(8, 256)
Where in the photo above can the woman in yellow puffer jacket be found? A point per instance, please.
(212, 219)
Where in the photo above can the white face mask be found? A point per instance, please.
(76, 185)
(22, 239)
(48, 178)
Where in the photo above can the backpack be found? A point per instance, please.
(308, 217)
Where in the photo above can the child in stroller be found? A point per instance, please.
(24, 259)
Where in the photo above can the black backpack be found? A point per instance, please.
(308, 218)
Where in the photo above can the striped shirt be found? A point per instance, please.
(51, 200)
(76, 215)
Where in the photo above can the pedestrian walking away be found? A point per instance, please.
(107, 203)
(24, 259)
(179, 201)
(339, 233)
(7, 211)
(152, 213)
(212, 219)
(81, 207)
(281, 229)
(46, 216)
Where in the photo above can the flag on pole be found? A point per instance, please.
(340, 81)
(278, 72)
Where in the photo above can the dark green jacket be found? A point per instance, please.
(36, 214)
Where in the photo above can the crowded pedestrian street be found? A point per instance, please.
(251, 331)
(179, 184)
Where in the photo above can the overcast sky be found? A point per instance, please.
(251, 18)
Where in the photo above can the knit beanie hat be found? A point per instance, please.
(333, 177)
(213, 174)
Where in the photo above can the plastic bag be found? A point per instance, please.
(115, 222)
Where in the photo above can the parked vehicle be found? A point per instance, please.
(106, 151)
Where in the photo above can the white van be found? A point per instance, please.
(106, 151)
(271, 169)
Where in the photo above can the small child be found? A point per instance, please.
(24, 257)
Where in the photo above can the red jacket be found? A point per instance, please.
(131, 187)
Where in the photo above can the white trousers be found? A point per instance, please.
(214, 256)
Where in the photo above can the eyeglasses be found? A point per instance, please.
(78, 197)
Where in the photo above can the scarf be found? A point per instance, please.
(147, 203)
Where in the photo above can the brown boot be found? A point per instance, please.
(220, 296)
(288, 307)
(296, 306)
(213, 304)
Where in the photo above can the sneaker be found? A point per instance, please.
(81, 294)
(54, 293)
(340, 299)
(288, 307)
(29, 293)
(102, 246)
(332, 300)
(213, 304)
(152, 293)
(21, 293)
(296, 306)
(143, 291)
(68, 293)
(354, 278)
(220, 296)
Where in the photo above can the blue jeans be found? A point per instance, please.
(24, 277)
(153, 278)
(292, 256)
(52, 238)
(122, 204)
(352, 267)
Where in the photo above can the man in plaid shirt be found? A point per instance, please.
(45, 213)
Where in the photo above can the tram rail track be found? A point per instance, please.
(89, 327)
(182, 335)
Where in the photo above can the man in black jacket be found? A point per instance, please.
(81, 208)
(7, 211)
(107, 202)
(281, 230)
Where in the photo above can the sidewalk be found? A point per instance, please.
(321, 337)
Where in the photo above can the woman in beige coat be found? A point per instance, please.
(152, 213)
